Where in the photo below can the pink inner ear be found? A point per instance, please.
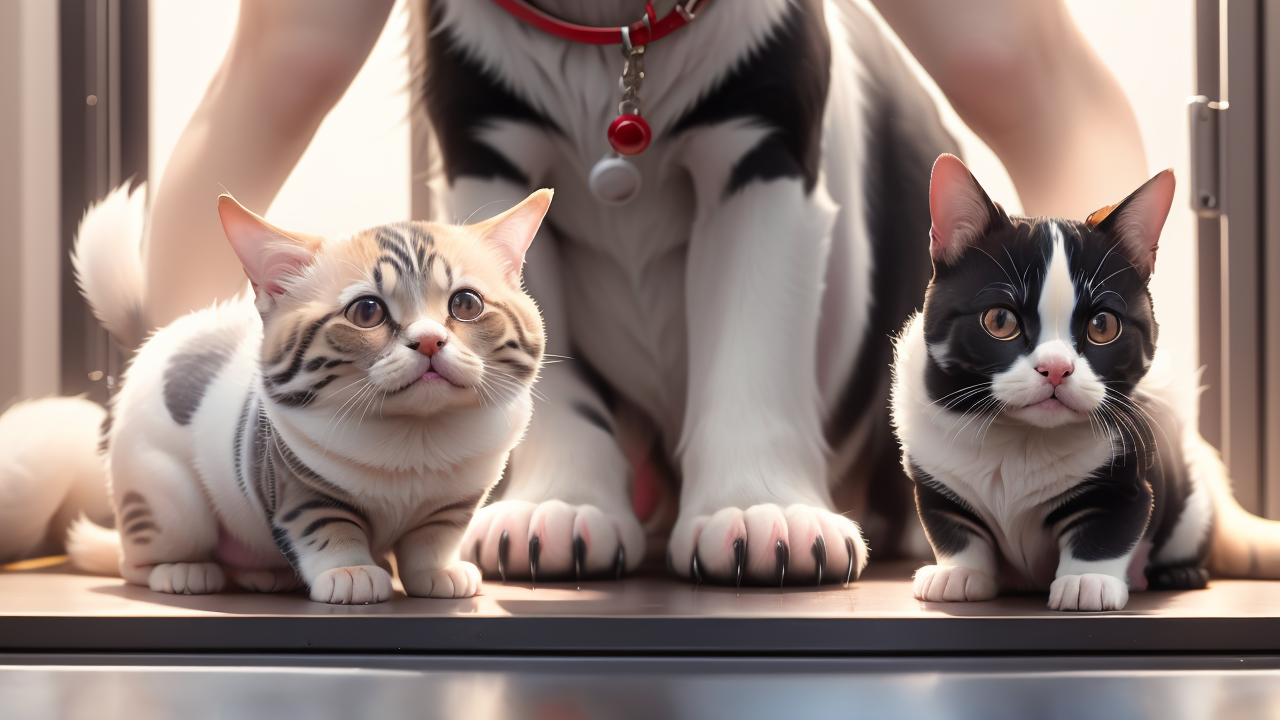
(514, 231)
(277, 261)
(266, 253)
(1140, 221)
(958, 207)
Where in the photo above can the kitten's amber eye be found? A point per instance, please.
(366, 312)
(1000, 323)
(466, 305)
(1103, 328)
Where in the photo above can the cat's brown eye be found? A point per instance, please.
(366, 312)
(1000, 323)
(1103, 328)
(466, 305)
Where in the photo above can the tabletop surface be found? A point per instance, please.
(55, 609)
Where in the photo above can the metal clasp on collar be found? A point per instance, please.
(689, 10)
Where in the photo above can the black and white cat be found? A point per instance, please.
(1049, 446)
(742, 302)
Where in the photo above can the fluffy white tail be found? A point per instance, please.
(1244, 545)
(93, 548)
(108, 263)
(50, 472)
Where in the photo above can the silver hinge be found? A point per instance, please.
(1204, 119)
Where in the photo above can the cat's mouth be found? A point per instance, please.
(432, 375)
(1053, 403)
(1050, 404)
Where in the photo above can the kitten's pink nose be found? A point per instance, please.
(1056, 369)
(430, 341)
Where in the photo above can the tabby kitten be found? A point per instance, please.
(362, 402)
(1046, 453)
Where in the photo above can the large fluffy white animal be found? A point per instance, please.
(742, 302)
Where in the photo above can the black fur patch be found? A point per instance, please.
(104, 431)
(593, 416)
(1178, 577)
(783, 84)
(460, 97)
(950, 524)
(1105, 517)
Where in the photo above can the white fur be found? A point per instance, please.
(1057, 295)
(108, 261)
(397, 469)
(93, 548)
(731, 321)
(50, 473)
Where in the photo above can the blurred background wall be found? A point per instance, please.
(357, 172)
(29, 200)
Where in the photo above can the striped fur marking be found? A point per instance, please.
(137, 521)
(456, 514)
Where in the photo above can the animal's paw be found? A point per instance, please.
(768, 545)
(461, 580)
(357, 585)
(514, 539)
(948, 583)
(266, 581)
(199, 578)
(1091, 592)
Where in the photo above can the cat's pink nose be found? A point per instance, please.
(1057, 370)
(429, 342)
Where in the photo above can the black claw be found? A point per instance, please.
(579, 557)
(739, 558)
(848, 575)
(820, 556)
(694, 571)
(620, 564)
(783, 553)
(535, 549)
(504, 547)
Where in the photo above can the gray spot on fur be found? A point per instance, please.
(189, 375)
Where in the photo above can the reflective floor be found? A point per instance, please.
(572, 689)
(647, 647)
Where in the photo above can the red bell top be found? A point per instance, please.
(629, 134)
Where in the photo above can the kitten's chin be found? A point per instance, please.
(1048, 413)
(428, 395)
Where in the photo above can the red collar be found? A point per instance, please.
(641, 32)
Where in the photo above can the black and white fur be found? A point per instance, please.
(1048, 459)
(742, 302)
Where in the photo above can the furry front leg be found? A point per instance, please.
(326, 540)
(1099, 528)
(566, 508)
(752, 439)
(565, 504)
(966, 569)
(429, 565)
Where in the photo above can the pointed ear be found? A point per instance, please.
(1136, 221)
(269, 254)
(510, 233)
(959, 207)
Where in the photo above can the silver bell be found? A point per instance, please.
(614, 181)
